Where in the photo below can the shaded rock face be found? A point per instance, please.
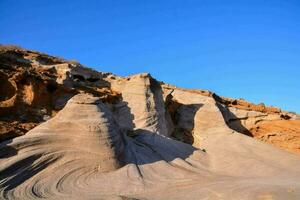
(88, 135)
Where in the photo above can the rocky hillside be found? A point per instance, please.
(35, 87)
(69, 132)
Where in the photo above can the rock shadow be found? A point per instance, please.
(19, 172)
(183, 118)
(233, 121)
(123, 115)
(6, 150)
(147, 147)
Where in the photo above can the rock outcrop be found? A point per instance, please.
(35, 86)
(69, 132)
(280, 133)
(238, 115)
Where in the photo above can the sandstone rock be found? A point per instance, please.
(36, 86)
(284, 134)
(142, 104)
(82, 153)
(196, 115)
(69, 132)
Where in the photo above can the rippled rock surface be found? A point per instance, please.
(69, 132)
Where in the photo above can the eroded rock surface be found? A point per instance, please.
(35, 86)
(69, 132)
(280, 133)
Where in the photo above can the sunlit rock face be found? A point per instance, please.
(141, 105)
(69, 132)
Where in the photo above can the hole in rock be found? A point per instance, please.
(7, 90)
(51, 87)
(77, 77)
(92, 79)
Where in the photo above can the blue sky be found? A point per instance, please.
(236, 48)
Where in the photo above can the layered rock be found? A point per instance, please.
(82, 138)
(141, 102)
(238, 115)
(95, 135)
(280, 133)
(35, 86)
(82, 153)
(194, 115)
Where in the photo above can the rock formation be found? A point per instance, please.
(69, 132)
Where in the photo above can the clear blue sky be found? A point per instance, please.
(236, 48)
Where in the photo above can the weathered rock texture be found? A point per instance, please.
(281, 133)
(90, 135)
(35, 86)
(239, 115)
